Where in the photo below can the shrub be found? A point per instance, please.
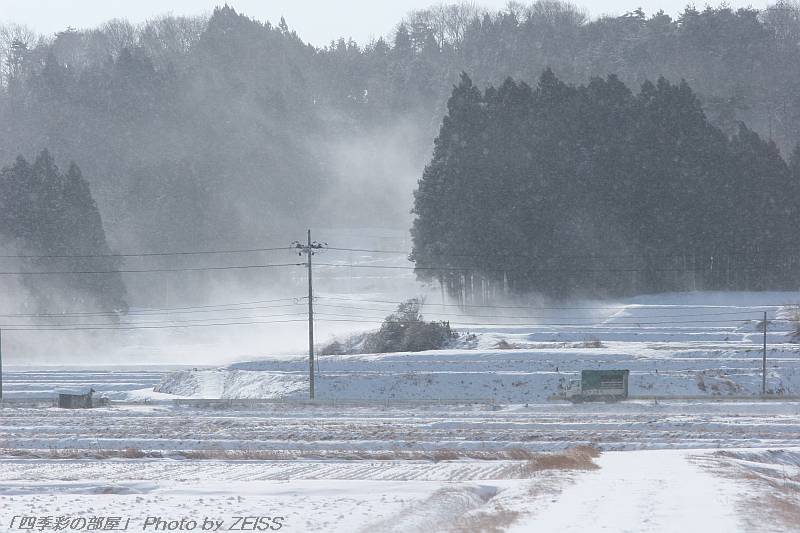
(351, 344)
(334, 348)
(405, 330)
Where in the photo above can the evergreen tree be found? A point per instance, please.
(52, 214)
(593, 190)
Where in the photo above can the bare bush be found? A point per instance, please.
(505, 345)
(578, 458)
(133, 453)
(334, 348)
(520, 454)
(592, 343)
(236, 455)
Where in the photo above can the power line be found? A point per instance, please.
(550, 308)
(222, 310)
(626, 325)
(371, 319)
(218, 308)
(207, 306)
(160, 322)
(400, 252)
(437, 313)
(145, 254)
(593, 328)
(583, 328)
(125, 328)
(693, 257)
(149, 270)
(480, 270)
(308, 249)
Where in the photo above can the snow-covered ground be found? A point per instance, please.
(637, 491)
(413, 468)
(723, 460)
(643, 491)
(509, 376)
(340, 504)
(113, 382)
(675, 345)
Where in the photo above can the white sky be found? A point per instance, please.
(316, 21)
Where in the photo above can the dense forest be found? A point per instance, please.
(45, 216)
(596, 190)
(196, 132)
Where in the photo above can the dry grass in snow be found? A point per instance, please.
(578, 458)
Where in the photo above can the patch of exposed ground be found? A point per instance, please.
(773, 501)
(579, 458)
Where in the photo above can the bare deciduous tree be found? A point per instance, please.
(446, 22)
(783, 19)
(13, 36)
(557, 13)
(167, 38)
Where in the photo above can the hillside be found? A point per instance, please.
(239, 120)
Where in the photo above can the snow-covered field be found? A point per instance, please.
(115, 383)
(298, 430)
(703, 344)
(383, 451)
(409, 468)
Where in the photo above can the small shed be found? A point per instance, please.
(75, 398)
(599, 386)
(607, 384)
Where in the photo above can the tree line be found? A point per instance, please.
(596, 190)
(201, 132)
(238, 118)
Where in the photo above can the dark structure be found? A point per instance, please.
(75, 399)
(599, 386)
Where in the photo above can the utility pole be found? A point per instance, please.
(764, 360)
(308, 250)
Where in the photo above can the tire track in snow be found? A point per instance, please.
(436, 512)
(642, 491)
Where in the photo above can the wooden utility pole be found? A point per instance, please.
(764, 360)
(309, 254)
(308, 250)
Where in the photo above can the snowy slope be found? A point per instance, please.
(674, 344)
